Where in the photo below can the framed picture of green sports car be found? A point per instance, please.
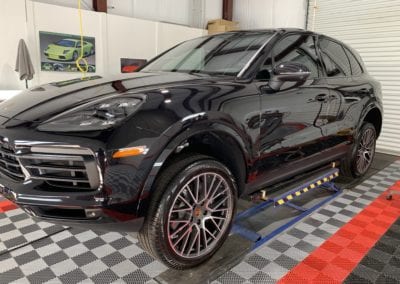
(59, 52)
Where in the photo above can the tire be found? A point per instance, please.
(362, 154)
(186, 223)
(75, 56)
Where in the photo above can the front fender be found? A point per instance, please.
(177, 134)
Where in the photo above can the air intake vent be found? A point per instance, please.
(9, 164)
(64, 171)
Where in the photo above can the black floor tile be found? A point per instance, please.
(373, 263)
(386, 279)
(382, 262)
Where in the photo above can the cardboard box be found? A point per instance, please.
(221, 25)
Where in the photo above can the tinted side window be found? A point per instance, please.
(334, 58)
(356, 69)
(297, 48)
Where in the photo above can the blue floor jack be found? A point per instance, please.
(322, 182)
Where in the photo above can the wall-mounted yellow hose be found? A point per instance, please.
(81, 60)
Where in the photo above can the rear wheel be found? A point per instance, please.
(191, 213)
(363, 152)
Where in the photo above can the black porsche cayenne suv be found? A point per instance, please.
(167, 152)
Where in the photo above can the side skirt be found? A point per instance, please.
(289, 171)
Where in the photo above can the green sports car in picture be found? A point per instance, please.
(68, 49)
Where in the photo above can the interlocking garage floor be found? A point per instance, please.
(354, 238)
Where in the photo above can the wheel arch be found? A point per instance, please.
(221, 143)
(221, 146)
(374, 116)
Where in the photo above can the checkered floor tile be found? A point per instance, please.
(79, 256)
(74, 256)
(273, 260)
(382, 263)
(18, 229)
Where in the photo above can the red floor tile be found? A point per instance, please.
(350, 243)
(315, 262)
(323, 278)
(6, 206)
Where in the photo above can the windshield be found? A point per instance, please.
(224, 54)
(66, 43)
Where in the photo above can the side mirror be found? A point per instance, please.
(288, 72)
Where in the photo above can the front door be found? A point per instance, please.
(292, 118)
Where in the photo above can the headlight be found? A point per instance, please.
(98, 115)
(65, 51)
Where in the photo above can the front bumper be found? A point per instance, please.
(111, 205)
(58, 56)
(84, 213)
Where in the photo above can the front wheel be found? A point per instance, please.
(192, 217)
(363, 152)
(74, 56)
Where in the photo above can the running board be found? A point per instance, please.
(322, 182)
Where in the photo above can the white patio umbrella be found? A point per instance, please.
(24, 64)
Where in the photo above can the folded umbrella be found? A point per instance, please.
(24, 64)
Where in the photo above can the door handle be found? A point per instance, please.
(364, 91)
(321, 97)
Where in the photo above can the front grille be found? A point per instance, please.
(58, 166)
(9, 164)
(64, 171)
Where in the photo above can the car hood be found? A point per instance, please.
(58, 48)
(41, 103)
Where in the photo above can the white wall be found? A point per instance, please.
(85, 4)
(169, 35)
(12, 28)
(194, 13)
(173, 11)
(250, 13)
(138, 41)
(259, 14)
(212, 11)
(183, 12)
(116, 37)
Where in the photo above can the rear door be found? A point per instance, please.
(347, 88)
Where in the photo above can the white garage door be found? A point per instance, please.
(372, 27)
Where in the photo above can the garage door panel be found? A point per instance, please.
(371, 25)
(373, 16)
(340, 5)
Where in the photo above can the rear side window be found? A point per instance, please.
(334, 58)
(356, 68)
